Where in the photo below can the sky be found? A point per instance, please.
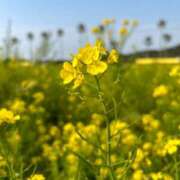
(39, 15)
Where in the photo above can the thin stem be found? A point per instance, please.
(108, 130)
(115, 108)
(176, 168)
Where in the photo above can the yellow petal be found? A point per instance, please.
(97, 68)
(66, 76)
(113, 57)
(68, 67)
(101, 66)
(78, 81)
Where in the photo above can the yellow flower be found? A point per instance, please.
(68, 73)
(129, 139)
(68, 129)
(76, 61)
(28, 84)
(160, 91)
(125, 22)
(18, 105)
(98, 162)
(113, 57)
(101, 47)
(88, 54)
(78, 81)
(104, 172)
(171, 146)
(138, 175)
(156, 176)
(135, 23)
(7, 116)
(107, 22)
(96, 30)
(71, 159)
(175, 71)
(38, 97)
(96, 68)
(147, 146)
(50, 152)
(54, 131)
(123, 31)
(97, 118)
(36, 177)
(149, 122)
(90, 58)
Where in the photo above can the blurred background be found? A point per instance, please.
(55, 29)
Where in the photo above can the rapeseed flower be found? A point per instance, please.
(36, 177)
(125, 22)
(68, 73)
(107, 22)
(160, 91)
(123, 31)
(138, 175)
(171, 146)
(38, 97)
(8, 117)
(18, 106)
(96, 30)
(90, 59)
(135, 23)
(175, 71)
(113, 56)
(96, 68)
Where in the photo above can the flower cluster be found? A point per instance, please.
(107, 21)
(171, 146)
(93, 60)
(8, 117)
(149, 123)
(37, 177)
(127, 27)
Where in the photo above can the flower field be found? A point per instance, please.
(95, 118)
(101, 115)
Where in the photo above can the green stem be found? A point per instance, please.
(108, 142)
(176, 168)
(108, 131)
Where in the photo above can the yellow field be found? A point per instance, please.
(114, 120)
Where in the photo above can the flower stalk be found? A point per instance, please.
(108, 130)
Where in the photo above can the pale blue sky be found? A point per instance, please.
(54, 13)
(38, 15)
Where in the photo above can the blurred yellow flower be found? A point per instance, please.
(123, 31)
(96, 30)
(160, 91)
(138, 175)
(78, 80)
(18, 106)
(38, 97)
(36, 177)
(171, 146)
(125, 22)
(107, 22)
(104, 172)
(135, 23)
(113, 56)
(8, 117)
(175, 71)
